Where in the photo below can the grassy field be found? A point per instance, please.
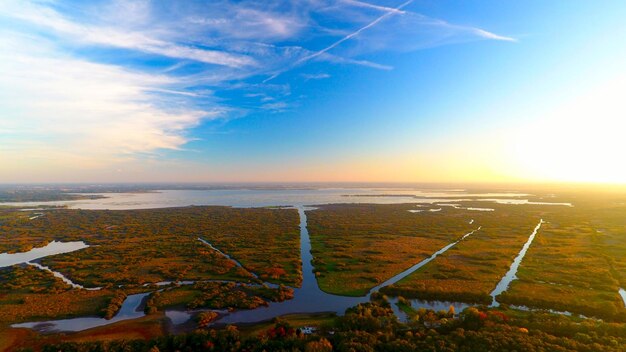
(296, 320)
(145, 328)
(141, 246)
(131, 248)
(217, 295)
(469, 271)
(28, 294)
(356, 247)
(577, 262)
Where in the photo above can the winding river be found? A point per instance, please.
(308, 298)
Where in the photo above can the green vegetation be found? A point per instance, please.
(469, 271)
(35, 195)
(134, 247)
(323, 321)
(373, 327)
(27, 294)
(358, 246)
(131, 248)
(577, 262)
(217, 295)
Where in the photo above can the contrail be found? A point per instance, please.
(391, 12)
(371, 6)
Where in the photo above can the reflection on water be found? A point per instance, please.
(52, 248)
(62, 277)
(178, 317)
(309, 298)
(410, 270)
(276, 197)
(503, 285)
(227, 257)
(131, 309)
(418, 304)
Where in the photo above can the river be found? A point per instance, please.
(309, 298)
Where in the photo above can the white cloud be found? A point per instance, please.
(309, 76)
(72, 106)
(60, 105)
(344, 60)
(372, 6)
(108, 36)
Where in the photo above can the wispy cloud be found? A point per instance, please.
(50, 19)
(447, 32)
(93, 109)
(112, 80)
(309, 76)
(345, 60)
(344, 39)
(372, 6)
(488, 35)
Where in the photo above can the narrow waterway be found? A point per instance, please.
(62, 277)
(622, 293)
(227, 257)
(410, 270)
(308, 298)
(131, 309)
(503, 285)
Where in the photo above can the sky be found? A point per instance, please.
(312, 91)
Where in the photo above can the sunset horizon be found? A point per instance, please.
(130, 91)
(312, 176)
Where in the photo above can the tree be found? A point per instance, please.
(322, 345)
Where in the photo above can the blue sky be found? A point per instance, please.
(311, 90)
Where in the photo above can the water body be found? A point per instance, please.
(524, 201)
(418, 303)
(131, 309)
(62, 277)
(503, 285)
(528, 309)
(480, 209)
(275, 197)
(309, 298)
(52, 248)
(458, 206)
(622, 293)
(227, 257)
(410, 270)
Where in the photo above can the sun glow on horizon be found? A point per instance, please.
(283, 91)
(582, 141)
